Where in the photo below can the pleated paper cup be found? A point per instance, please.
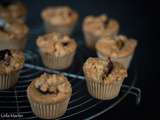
(57, 62)
(104, 91)
(8, 80)
(61, 29)
(14, 44)
(49, 111)
(90, 40)
(123, 60)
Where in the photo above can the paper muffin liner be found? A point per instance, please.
(49, 111)
(90, 40)
(123, 60)
(55, 62)
(14, 44)
(104, 91)
(8, 80)
(61, 29)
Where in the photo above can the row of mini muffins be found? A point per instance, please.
(58, 50)
(60, 19)
(13, 35)
(63, 19)
(49, 94)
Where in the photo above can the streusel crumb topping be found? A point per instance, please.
(52, 84)
(116, 46)
(56, 43)
(100, 25)
(59, 15)
(103, 70)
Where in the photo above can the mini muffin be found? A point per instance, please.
(57, 50)
(104, 78)
(11, 62)
(118, 48)
(59, 19)
(95, 27)
(49, 95)
(12, 10)
(13, 34)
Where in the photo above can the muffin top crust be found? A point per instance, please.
(13, 30)
(49, 88)
(12, 10)
(59, 15)
(100, 25)
(11, 61)
(104, 70)
(57, 44)
(116, 46)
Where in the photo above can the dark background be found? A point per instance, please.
(138, 19)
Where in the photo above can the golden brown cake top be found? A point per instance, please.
(11, 61)
(104, 70)
(59, 15)
(116, 46)
(13, 11)
(57, 44)
(13, 30)
(49, 88)
(100, 25)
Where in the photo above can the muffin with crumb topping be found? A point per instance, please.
(104, 78)
(13, 34)
(12, 10)
(119, 48)
(94, 27)
(59, 19)
(49, 95)
(57, 50)
(11, 62)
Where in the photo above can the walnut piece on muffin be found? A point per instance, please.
(100, 25)
(116, 46)
(104, 70)
(59, 15)
(57, 44)
(11, 61)
(50, 88)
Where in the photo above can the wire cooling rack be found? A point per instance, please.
(81, 105)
